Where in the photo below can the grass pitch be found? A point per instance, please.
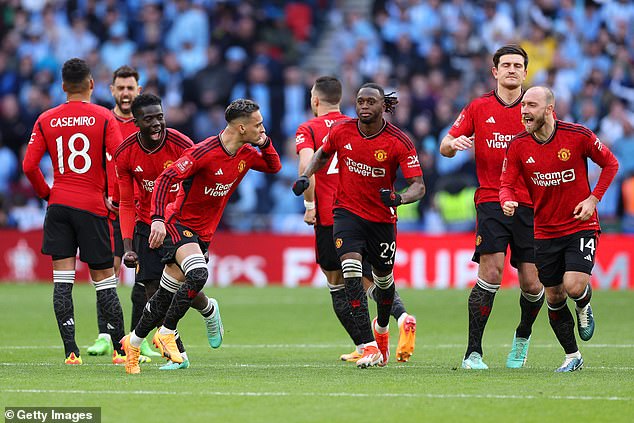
(279, 363)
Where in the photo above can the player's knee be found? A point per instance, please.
(198, 277)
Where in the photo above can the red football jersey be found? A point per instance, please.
(127, 128)
(138, 168)
(366, 165)
(211, 175)
(77, 135)
(556, 174)
(493, 123)
(312, 135)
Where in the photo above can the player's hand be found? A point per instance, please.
(310, 216)
(586, 208)
(301, 185)
(390, 198)
(262, 140)
(509, 207)
(111, 205)
(461, 143)
(130, 259)
(157, 233)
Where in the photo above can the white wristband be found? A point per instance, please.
(310, 205)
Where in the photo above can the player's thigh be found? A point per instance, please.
(550, 261)
(149, 265)
(381, 245)
(580, 251)
(493, 230)
(59, 238)
(523, 240)
(348, 233)
(325, 251)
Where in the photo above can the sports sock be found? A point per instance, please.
(111, 308)
(101, 322)
(530, 304)
(357, 299)
(195, 269)
(398, 308)
(135, 340)
(342, 310)
(480, 305)
(585, 298)
(563, 325)
(63, 281)
(155, 309)
(384, 292)
(179, 343)
(203, 304)
(139, 299)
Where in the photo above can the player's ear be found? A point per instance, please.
(494, 71)
(138, 90)
(91, 84)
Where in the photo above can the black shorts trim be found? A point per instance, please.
(496, 232)
(66, 229)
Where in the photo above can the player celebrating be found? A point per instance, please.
(213, 169)
(318, 200)
(487, 124)
(76, 135)
(369, 150)
(124, 89)
(140, 159)
(551, 156)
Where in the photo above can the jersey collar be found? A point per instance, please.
(504, 103)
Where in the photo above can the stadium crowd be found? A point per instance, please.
(199, 55)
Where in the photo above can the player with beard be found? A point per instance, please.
(77, 135)
(487, 124)
(140, 159)
(318, 200)
(124, 89)
(211, 172)
(369, 150)
(551, 157)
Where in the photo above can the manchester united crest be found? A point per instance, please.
(564, 154)
(338, 242)
(241, 165)
(188, 234)
(478, 240)
(380, 155)
(167, 164)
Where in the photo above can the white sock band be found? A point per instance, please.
(487, 286)
(533, 298)
(63, 276)
(195, 261)
(383, 282)
(335, 288)
(352, 268)
(108, 283)
(169, 283)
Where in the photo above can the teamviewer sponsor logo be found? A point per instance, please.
(499, 140)
(364, 169)
(148, 185)
(218, 190)
(550, 179)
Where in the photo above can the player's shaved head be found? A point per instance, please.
(543, 93)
